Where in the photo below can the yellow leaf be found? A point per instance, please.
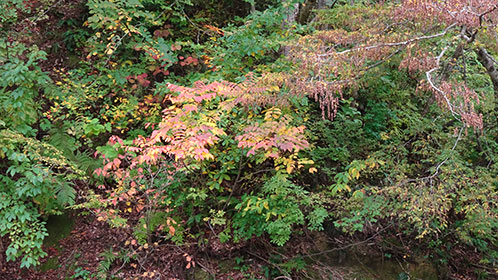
(354, 173)
(289, 169)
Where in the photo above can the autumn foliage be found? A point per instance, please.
(202, 127)
(179, 134)
(335, 59)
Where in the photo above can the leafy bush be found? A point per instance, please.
(219, 132)
(35, 182)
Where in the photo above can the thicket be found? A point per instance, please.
(193, 120)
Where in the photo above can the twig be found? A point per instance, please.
(452, 149)
(270, 263)
(282, 277)
(349, 245)
(197, 262)
(436, 172)
(40, 16)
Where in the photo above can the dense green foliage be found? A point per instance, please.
(187, 121)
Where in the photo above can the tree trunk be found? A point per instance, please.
(291, 16)
(305, 11)
(489, 63)
(292, 13)
(321, 4)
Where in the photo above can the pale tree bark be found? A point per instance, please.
(290, 18)
(292, 13)
(321, 4)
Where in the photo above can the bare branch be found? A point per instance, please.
(395, 44)
(428, 74)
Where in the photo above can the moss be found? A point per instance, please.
(58, 227)
(50, 263)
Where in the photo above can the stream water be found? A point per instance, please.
(348, 265)
(352, 265)
(344, 264)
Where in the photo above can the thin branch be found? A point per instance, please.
(403, 43)
(481, 16)
(349, 245)
(40, 16)
(282, 277)
(438, 167)
(270, 263)
(436, 172)
(428, 74)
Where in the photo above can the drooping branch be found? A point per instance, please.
(333, 60)
(436, 89)
(393, 44)
(455, 97)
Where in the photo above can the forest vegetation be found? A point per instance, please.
(248, 139)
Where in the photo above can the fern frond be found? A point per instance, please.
(66, 194)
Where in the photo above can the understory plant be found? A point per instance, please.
(206, 163)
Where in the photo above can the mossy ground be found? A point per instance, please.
(58, 227)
